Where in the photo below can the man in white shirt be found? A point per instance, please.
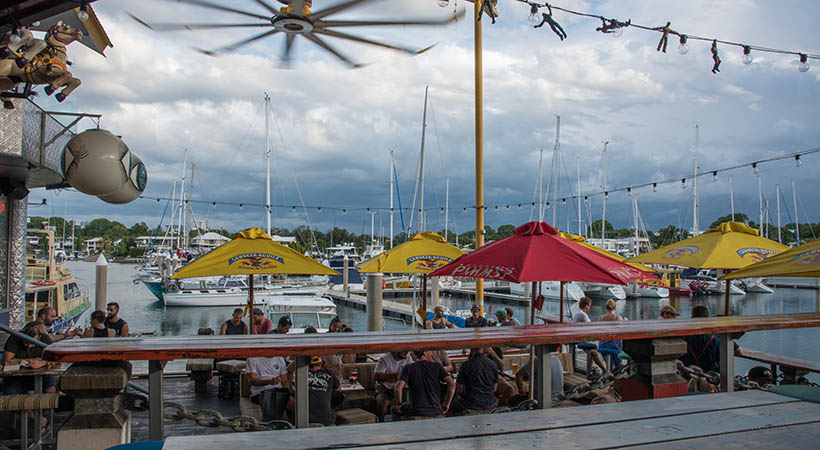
(386, 374)
(584, 305)
(270, 386)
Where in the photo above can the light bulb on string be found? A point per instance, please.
(797, 162)
(714, 177)
(654, 187)
(82, 14)
(535, 17)
(293, 208)
(683, 183)
(213, 204)
(319, 209)
(14, 38)
(747, 57)
(804, 63)
(683, 47)
(241, 206)
(754, 168)
(443, 3)
(617, 32)
(344, 211)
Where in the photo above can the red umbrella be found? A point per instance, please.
(535, 252)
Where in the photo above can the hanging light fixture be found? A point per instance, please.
(683, 47)
(654, 187)
(82, 14)
(747, 57)
(797, 162)
(804, 63)
(714, 177)
(754, 168)
(683, 183)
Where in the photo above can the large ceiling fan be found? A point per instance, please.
(296, 19)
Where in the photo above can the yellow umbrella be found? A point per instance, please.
(582, 240)
(252, 252)
(731, 245)
(423, 253)
(802, 261)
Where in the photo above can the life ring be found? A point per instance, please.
(44, 283)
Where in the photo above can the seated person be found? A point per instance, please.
(28, 355)
(523, 375)
(261, 324)
(438, 321)
(235, 325)
(424, 378)
(386, 374)
(322, 384)
(97, 328)
(584, 305)
(702, 350)
(476, 383)
(270, 386)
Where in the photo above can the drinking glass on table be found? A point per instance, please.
(514, 368)
(354, 374)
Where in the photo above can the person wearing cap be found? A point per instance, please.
(476, 320)
(503, 320)
(235, 325)
(322, 383)
(669, 312)
(261, 324)
(438, 321)
(283, 326)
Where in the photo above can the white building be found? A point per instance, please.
(93, 245)
(209, 240)
(626, 247)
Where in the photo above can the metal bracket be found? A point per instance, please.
(66, 128)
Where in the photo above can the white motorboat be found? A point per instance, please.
(232, 292)
(638, 289)
(303, 311)
(552, 289)
(600, 290)
(755, 285)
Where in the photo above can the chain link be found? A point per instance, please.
(580, 391)
(213, 419)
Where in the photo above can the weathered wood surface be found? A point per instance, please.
(224, 347)
(627, 423)
(785, 361)
(791, 437)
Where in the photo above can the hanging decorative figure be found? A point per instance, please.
(488, 7)
(664, 38)
(26, 41)
(555, 26)
(715, 58)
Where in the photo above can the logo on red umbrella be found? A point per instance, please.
(810, 257)
(757, 254)
(256, 261)
(430, 262)
(481, 271)
(680, 252)
(627, 273)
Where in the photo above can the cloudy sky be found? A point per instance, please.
(333, 128)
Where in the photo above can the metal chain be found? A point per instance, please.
(212, 419)
(580, 391)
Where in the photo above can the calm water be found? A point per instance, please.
(143, 311)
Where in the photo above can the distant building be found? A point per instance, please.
(158, 243)
(209, 240)
(93, 245)
(626, 247)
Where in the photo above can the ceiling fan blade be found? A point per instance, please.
(336, 8)
(272, 9)
(351, 37)
(236, 45)
(321, 43)
(195, 26)
(285, 59)
(365, 23)
(216, 6)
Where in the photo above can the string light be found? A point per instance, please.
(683, 183)
(241, 206)
(82, 14)
(754, 168)
(535, 17)
(714, 177)
(614, 27)
(683, 47)
(654, 187)
(804, 63)
(797, 162)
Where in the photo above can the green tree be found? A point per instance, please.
(668, 235)
(594, 230)
(139, 229)
(739, 217)
(505, 230)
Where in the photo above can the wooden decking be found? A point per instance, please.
(751, 419)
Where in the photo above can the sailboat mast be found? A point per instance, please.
(578, 163)
(732, 196)
(796, 220)
(603, 214)
(696, 208)
(181, 217)
(446, 206)
(556, 158)
(420, 218)
(392, 181)
(779, 234)
(760, 199)
(267, 160)
(372, 227)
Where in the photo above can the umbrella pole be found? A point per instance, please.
(424, 300)
(250, 301)
(532, 347)
(561, 306)
(726, 306)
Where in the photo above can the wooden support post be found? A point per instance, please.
(543, 375)
(375, 295)
(657, 375)
(727, 363)
(155, 400)
(302, 405)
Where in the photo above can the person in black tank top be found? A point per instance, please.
(438, 321)
(114, 322)
(235, 325)
(98, 328)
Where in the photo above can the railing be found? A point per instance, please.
(158, 350)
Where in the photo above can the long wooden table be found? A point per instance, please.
(748, 418)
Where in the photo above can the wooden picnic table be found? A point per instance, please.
(748, 418)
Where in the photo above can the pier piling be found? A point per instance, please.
(374, 301)
(101, 283)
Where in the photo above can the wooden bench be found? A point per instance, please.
(792, 368)
(201, 370)
(740, 418)
(229, 371)
(29, 402)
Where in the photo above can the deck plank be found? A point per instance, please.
(792, 436)
(488, 425)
